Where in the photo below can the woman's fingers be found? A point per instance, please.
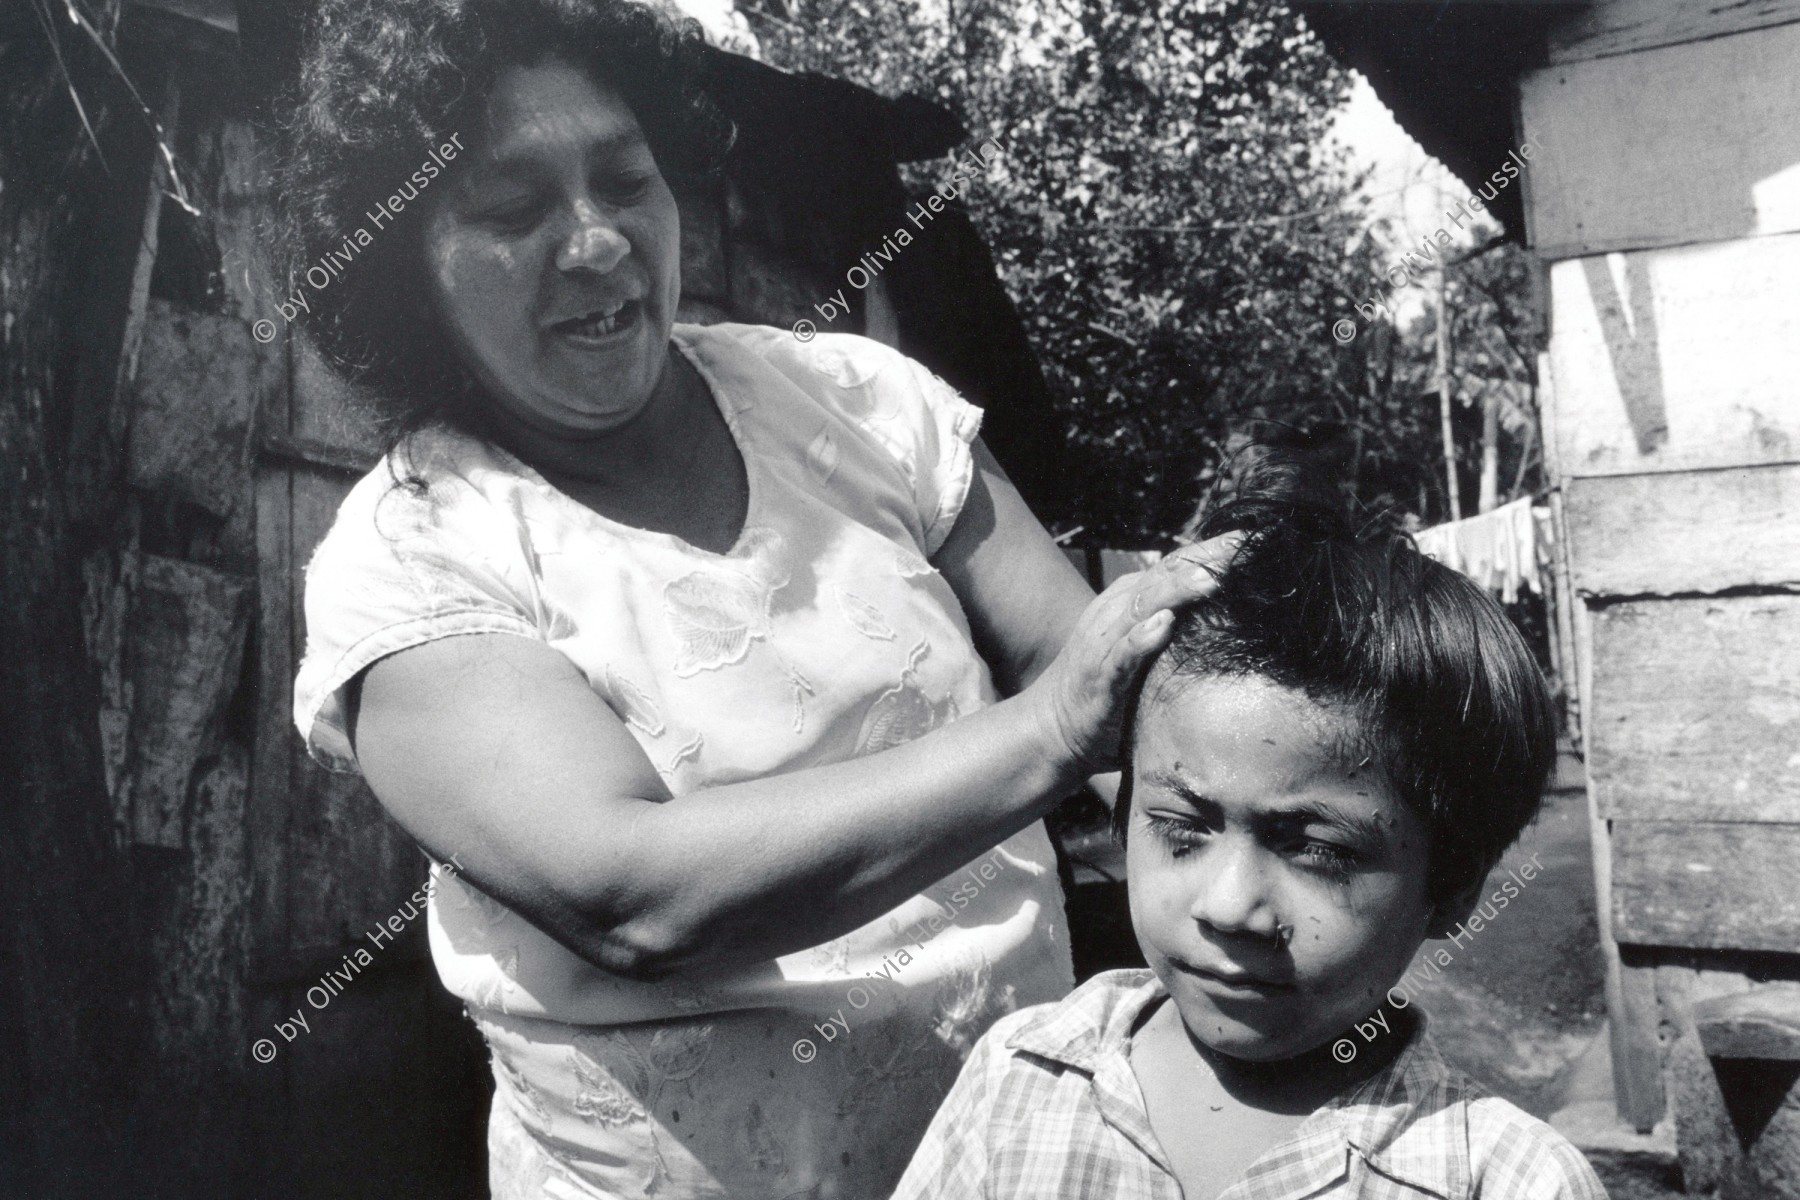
(1125, 626)
(1129, 652)
(1188, 574)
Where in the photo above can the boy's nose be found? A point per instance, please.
(1233, 896)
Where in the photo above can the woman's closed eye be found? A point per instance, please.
(626, 187)
(512, 214)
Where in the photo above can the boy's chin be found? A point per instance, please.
(1270, 1035)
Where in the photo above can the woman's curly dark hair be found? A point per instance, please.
(382, 82)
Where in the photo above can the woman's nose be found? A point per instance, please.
(1232, 893)
(594, 244)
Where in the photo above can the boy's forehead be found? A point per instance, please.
(1234, 705)
(1207, 730)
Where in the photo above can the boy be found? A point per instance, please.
(1320, 771)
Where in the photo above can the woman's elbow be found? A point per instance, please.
(644, 950)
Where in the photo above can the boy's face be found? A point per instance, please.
(1277, 890)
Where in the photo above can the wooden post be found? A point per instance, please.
(1443, 384)
(1490, 452)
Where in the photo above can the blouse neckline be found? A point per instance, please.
(741, 439)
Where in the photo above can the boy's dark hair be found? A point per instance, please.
(384, 81)
(1440, 690)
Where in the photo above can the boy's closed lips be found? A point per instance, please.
(1231, 983)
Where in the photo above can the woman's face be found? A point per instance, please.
(556, 259)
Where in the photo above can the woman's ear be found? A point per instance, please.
(1452, 911)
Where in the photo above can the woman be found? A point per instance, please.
(690, 661)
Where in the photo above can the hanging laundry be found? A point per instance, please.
(1505, 550)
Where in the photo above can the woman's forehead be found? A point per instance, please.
(549, 107)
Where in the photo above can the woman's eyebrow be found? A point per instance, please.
(526, 162)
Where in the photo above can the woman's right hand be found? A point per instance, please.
(1082, 695)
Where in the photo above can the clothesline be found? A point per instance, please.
(1504, 550)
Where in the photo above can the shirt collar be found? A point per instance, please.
(1406, 1121)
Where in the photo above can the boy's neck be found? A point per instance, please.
(1296, 1085)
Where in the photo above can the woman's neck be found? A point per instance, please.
(627, 460)
(674, 468)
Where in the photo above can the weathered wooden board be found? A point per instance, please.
(1677, 359)
(267, 806)
(1695, 711)
(192, 914)
(182, 652)
(244, 225)
(1761, 1022)
(1684, 531)
(348, 864)
(1690, 143)
(191, 407)
(1704, 1136)
(324, 409)
(1624, 26)
(1708, 885)
(1630, 999)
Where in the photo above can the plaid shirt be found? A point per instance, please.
(1047, 1106)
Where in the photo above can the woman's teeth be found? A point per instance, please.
(595, 324)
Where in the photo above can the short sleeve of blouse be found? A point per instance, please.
(402, 566)
(915, 417)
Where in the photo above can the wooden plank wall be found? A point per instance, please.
(1666, 205)
(251, 869)
(1707, 159)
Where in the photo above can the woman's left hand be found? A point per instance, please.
(1084, 691)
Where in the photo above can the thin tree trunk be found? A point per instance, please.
(1443, 386)
(1490, 451)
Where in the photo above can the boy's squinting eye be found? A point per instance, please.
(1329, 859)
(1178, 835)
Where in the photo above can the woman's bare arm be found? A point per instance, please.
(1019, 591)
(495, 749)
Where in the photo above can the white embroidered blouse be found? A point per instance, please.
(823, 634)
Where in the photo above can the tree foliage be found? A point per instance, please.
(1178, 234)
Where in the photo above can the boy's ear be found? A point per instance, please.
(1452, 911)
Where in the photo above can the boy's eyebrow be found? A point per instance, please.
(1367, 827)
(1176, 784)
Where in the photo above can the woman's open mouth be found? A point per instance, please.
(599, 325)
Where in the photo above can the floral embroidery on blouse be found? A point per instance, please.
(863, 617)
(904, 712)
(633, 704)
(911, 565)
(822, 455)
(715, 615)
